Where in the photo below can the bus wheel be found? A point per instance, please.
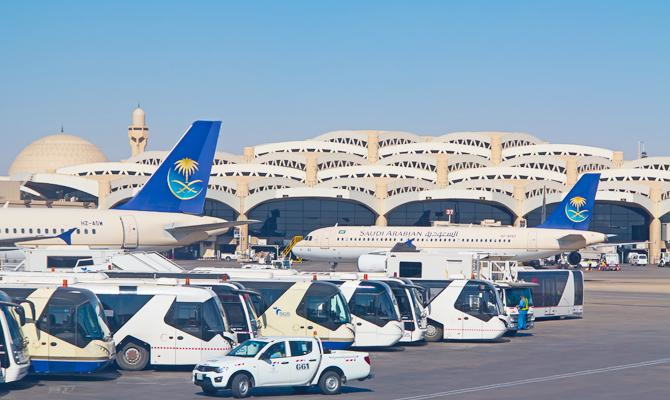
(330, 382)
(132, 357)
(241, 386)
(434, 332)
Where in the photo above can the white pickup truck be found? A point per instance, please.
(281, 361)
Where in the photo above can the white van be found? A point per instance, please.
(638, 259)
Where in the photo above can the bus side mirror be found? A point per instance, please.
(22, 315)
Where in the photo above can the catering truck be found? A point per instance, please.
(300, 362)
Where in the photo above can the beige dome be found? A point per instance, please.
(55, 151)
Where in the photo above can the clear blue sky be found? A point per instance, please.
(589, 72)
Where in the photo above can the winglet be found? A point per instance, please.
(576, 209)
(67, 236)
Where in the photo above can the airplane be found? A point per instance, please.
(165, 213)
(565, 230)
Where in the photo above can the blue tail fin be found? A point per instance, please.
(575, 210)
(180, 182)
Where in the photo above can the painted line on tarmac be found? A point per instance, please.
(537, 380)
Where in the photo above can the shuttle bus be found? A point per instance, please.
(303, 308)
(374, 312)
(151, 323)
(412, 313)
(14, 358)
(559, 292)
(510, 293)
(462, 309)
(67, 332)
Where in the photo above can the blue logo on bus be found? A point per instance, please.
(574, 211)
(178, 179)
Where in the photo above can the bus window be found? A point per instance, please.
(513, 296)
(269, 293)
(550, 289)
(120, 308)
(201, 320)
(323, 304)
(478, 300)
(578, 280)
(432, 289)
(71, 320)
(234, 311)
(373, 304)
(409, 269)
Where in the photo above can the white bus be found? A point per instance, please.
(412, 313)
(462, 309)
(65, 327)
(238, 309)
(559, 292)
(302, 308)
(374, 312)
(510, 293)
(14, 359)
(151, 323)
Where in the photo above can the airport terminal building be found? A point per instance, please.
(368, 177)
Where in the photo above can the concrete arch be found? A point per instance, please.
(505, 173)
(308, 146)
(380, 171)
(422, 148)
(554, 149)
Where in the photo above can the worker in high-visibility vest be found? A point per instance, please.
(523, 312)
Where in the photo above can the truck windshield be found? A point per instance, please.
(248, 349)
(513, 296)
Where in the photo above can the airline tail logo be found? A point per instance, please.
(178, 179)
(574, 211)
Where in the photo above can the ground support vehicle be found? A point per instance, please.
(510, 294)
(560, 292)
(462, 309)
(14, 358)
(300, 362)
(65, 327)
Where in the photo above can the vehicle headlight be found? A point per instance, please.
(220, 370)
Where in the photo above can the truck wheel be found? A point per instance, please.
(241, 386)
(209, 389)
(434, 332)
(132, 357)
(330, 383)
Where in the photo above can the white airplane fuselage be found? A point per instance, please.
(347, 243)
(103, 229)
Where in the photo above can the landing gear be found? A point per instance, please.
(333, 265)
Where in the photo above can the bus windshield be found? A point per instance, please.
(513, 296)
(248, 349)
(324, 304)
(18, 342)
(373, 303)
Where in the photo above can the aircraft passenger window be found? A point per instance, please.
(62, 230)
(14, 230)
(78, 231)
(23, 230)
(86, 231)
(93, 231)
(54, 230)
(6, 230)
(38, 231)
(30, 230)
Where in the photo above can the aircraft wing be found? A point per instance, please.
(208, 227)
(13, 241)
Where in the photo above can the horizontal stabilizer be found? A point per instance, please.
(184, 229)
(572, 241)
